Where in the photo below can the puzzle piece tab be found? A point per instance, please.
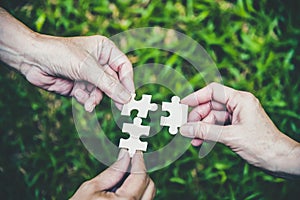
(178, 114)
(143, 106)
(135, 130)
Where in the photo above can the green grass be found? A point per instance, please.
(255, 45)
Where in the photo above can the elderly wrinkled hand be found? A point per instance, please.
(83, 67)
(237, 119)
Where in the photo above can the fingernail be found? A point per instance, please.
(125, 96)
(79, 94)
(89, 106)
(187, 130)
(92, 107)
(122, 154)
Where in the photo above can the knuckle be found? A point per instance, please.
(85, 184)
(99, 37)
(112, 85)
(214, 118)
(93, 185)
(107, 42)
(200, 129)
(237, 98)
(250, 97)
(213, 84)
(89, 185)
(238, 95)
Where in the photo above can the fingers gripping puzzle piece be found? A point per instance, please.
(178, 114)
(135, 130)
(143, 106)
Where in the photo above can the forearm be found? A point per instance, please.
(17, 42)
(287, 161)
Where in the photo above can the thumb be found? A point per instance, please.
(112, 175)
(204, 131)
(91, 71)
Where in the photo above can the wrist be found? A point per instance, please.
(17, 42)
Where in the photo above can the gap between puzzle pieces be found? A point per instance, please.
(177, 117)
(135, 131)
(143, 106)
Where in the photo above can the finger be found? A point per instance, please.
(119, 106)
(112, 175)
(196, 142)
(111, 72)
(80, 95)
(217, 117)
(95, 74)
(149, 192)
(211, 119)
(61, 86)
(93, 100)
(79, 92)
(138, 164)
(136, 183)
(126, 76)
(119, 62)
(199, 112)
(212, 92)
(40, 79)
(217, 106)
(205, 131)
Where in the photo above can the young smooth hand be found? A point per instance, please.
(237, 119)
(137, 185)
(83, 67)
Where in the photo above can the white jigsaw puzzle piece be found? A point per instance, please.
(135, 130)
(178, 114)
(143, 106)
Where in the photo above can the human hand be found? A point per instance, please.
(249, 131)
(137, 185)
(82, 67)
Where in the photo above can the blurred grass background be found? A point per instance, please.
(255, 45)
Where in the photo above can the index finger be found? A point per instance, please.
(91, 71)
(212, 92)
(136, 183)
(119, 62)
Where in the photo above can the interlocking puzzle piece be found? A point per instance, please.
(143, 106)
(135, 130)
(178, 114)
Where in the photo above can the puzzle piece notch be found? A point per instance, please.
(178, 114)
(135, 131)
(143, 106)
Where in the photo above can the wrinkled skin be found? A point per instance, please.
(83, 67)
(248, 130)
